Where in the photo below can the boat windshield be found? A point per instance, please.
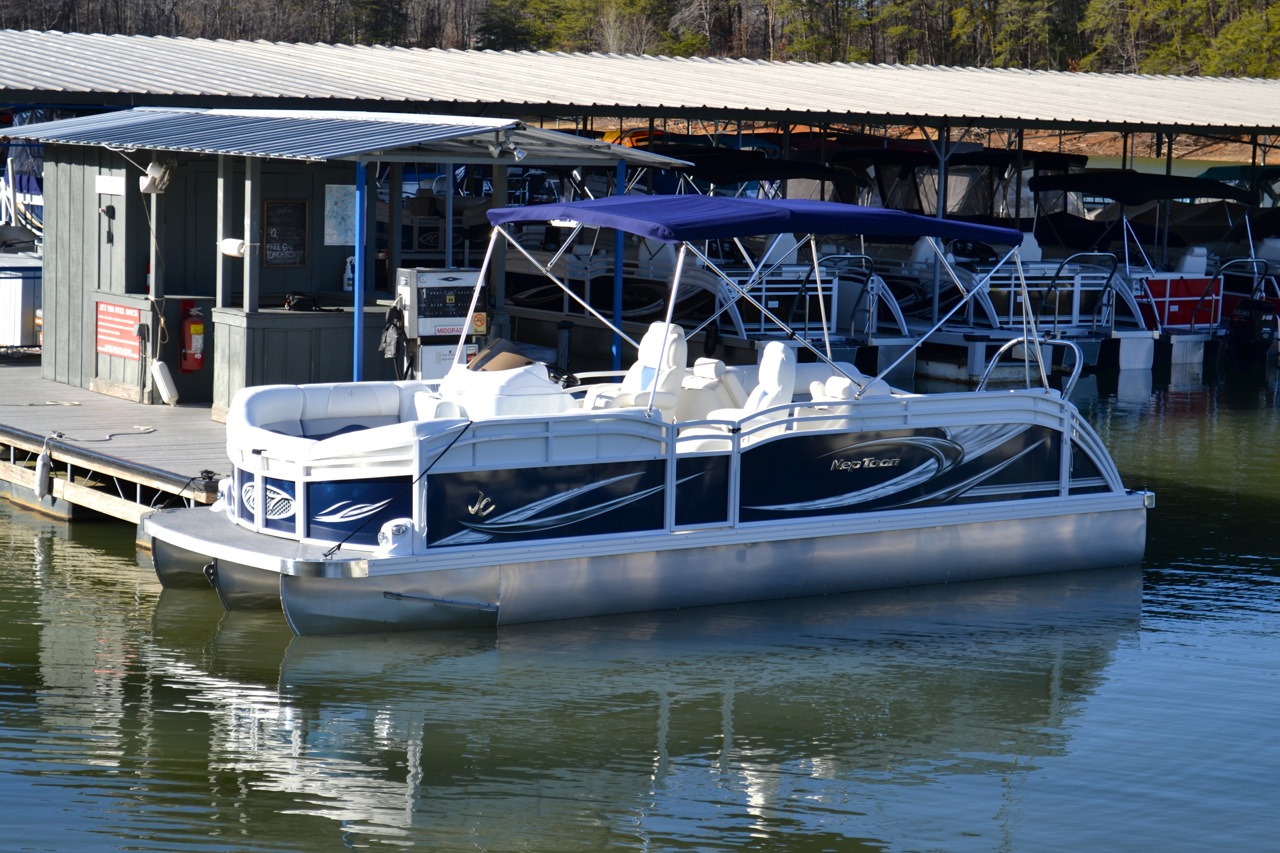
(499, 354)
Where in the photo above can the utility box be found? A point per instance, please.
(20, 286)
(435, 304)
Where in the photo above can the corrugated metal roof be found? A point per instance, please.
(71, 67)
(331, 135)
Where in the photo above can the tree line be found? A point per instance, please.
(1198, 37)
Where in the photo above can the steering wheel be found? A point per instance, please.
(563, 378)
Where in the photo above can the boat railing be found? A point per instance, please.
(803, 302)
(579, 437)
(1087, 439)
(1258, 272)
(745, 292)
(1077, 360)
(1211, 296)
(575, 436)
(879, 412)
(976, 289)
(927, 292)
(863, 292)
(1076, 293)
(1163, 294)
(1086, 289)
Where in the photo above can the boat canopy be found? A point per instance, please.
(681, 218)
(922, 157)
(1129, 187)
(738, 165)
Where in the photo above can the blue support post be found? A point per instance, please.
(357, 337)
(620, 188)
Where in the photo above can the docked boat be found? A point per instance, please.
(512, 492)
(1135, 277)
(1251, 300)
(1167, 229)
(1076, 295)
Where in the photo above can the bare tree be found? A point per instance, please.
(625, 32)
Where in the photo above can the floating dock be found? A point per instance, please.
(108, 457)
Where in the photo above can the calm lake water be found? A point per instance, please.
(1129, 709)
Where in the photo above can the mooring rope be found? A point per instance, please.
(137, 430)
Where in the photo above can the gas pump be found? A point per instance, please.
(435, 303)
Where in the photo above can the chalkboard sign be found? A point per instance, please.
(284, 228)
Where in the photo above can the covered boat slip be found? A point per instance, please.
(1083, 298)
(510, 492)
(806, 109)
(1171, 241)
(1131, 282)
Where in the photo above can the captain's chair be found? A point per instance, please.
(657, 372)
(776, 383)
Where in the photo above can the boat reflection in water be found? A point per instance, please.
(812, 718)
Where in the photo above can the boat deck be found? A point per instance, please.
(109, 456)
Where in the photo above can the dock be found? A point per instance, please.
(109, 457)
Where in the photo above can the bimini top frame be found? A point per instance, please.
(689, 219)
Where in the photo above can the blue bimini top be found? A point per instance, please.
(680, 218)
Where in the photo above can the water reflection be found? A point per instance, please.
(958, 718)
(167, 723)
(747, 721)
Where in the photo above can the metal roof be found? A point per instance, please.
(329, 135)
(49, 67)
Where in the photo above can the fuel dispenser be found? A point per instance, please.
(435, 303)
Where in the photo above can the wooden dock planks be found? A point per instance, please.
(110, 455)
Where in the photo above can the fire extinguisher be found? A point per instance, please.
(192, 341)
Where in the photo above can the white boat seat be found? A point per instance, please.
(312, 409)
(775, 387)
(785, 250)
(329, 409)
(658, 255)
(1194, 262)
(657, 373)
(277, 408)
(1029, 250)
(922, 252)
(709, 386)
(776, 379)
(287, 419)
(837, 388)
(818, 391)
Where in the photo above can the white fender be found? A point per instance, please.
(44, 474)
(163, 381)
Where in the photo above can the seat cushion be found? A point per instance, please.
(274, 407)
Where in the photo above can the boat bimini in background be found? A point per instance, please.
(511, 492)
